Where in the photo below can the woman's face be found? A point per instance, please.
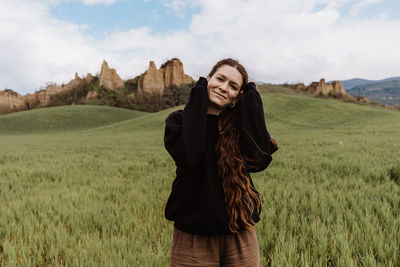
(224, 86)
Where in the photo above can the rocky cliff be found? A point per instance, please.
(152, 81)
(51, 90)
(174, 73)
(109, 78)
(156, 80)
(11, 101)
(320, 88)
(103, 89)
(334, 89)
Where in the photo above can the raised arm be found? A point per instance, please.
(185, 131)
(255, 142)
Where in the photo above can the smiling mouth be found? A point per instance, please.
(218, 94)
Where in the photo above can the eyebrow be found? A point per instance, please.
(231, 81)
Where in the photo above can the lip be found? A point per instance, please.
(218, 94)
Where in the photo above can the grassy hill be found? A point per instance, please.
(63, 119)
(91, 189)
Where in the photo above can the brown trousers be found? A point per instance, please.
(239, 249)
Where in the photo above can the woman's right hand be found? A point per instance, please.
(273, 141)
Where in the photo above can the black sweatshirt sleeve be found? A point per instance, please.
(185, 132)
(254, 140)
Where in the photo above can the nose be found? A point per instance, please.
(224, 86)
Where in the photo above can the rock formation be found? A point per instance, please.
(170, 73)
(320, 88)
(11, 101)
(363, 99)
(92, 95)
(338, 88)
(53, 89)
(174, 73)
(152, 81)
(109, 78)
(31, 100)
(46, 94)
(396, 106)
(299, 87)
(89, 78)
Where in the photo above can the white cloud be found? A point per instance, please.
(286, 41)
(37, 48)
(277, 41)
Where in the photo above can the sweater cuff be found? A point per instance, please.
(249, 87)
(202, 82)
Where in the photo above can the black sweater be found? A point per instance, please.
(196, 203)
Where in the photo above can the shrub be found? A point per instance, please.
(150, 102)
(77, 95)
(115, 98)
(176, 95)
(132, 85)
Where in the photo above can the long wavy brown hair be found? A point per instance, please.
(241, 198)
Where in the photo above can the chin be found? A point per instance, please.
(217, 103)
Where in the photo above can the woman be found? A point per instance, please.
(217, 139)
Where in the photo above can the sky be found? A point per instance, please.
(48, 41)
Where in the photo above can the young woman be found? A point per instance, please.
(217, 139)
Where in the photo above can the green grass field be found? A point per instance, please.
(87, 186)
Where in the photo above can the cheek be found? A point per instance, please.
(210, 88)
(233, 95)
(211, 96)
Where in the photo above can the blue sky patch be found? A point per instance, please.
(124, 15)
(389, 8)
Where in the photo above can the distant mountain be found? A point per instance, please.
(385, 91)
(260, 82)
(348, 84)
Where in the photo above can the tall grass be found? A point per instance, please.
(95, 195)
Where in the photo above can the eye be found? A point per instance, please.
(220, 79)
(234, 87)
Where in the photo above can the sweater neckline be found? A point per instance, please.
(213, 115)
